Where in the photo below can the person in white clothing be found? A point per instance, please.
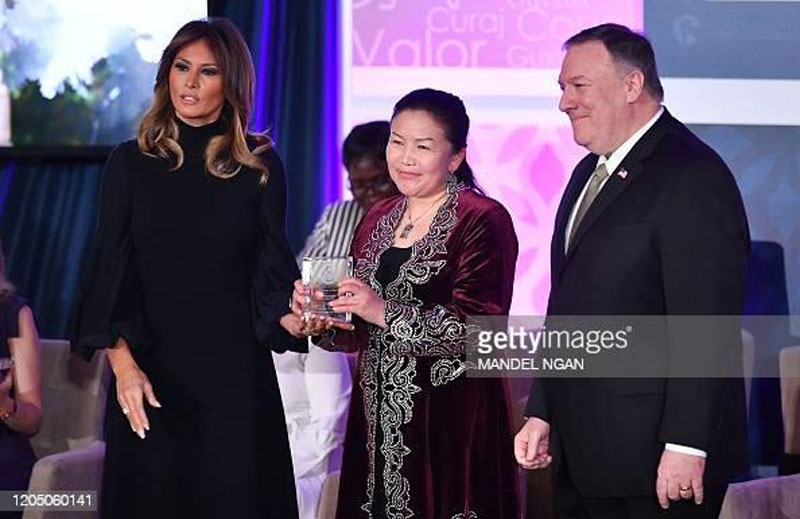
(315, 389)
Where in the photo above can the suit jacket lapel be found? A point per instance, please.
(616, 184)
(579, 177)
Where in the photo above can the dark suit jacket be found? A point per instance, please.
(670, 238)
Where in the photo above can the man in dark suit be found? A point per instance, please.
(651, 223)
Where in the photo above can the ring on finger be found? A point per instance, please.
(126, 411)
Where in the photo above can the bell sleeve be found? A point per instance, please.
(110, 303)
(276, 268)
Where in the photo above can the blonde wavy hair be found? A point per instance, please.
(227, 153)
(6, 288)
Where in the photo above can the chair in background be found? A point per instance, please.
(767, 498)
(70, 444)
(767, 295)
(789, 362)
(775, 498)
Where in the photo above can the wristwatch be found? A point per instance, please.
(8, 415)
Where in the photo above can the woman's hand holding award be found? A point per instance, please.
(320, 286)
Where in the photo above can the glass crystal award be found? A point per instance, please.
(321, 276)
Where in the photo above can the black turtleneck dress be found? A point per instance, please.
(194, 271)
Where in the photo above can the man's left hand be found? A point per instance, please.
(679, 477)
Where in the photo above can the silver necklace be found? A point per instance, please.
(410, 225)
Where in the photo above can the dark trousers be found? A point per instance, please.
(569, 504)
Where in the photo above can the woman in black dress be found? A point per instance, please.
(187, 285)
(20, 389)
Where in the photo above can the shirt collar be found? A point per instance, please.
(616, 158)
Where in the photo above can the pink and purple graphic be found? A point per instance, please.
(476, 33)
(502, 58)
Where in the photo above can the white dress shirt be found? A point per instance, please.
(612, 162)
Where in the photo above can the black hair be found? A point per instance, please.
(366, 140)
(449, 111)
(625, 46)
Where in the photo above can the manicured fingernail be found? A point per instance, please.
(147, 426)
(141, 434)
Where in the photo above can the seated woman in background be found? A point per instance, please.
(364, 157)
(20, 387)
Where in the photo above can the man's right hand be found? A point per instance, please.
(532, 445)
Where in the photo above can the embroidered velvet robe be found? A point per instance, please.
(424, 440)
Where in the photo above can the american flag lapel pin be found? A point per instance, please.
(622, 173)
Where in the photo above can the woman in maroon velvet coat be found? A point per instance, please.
(423, 440)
